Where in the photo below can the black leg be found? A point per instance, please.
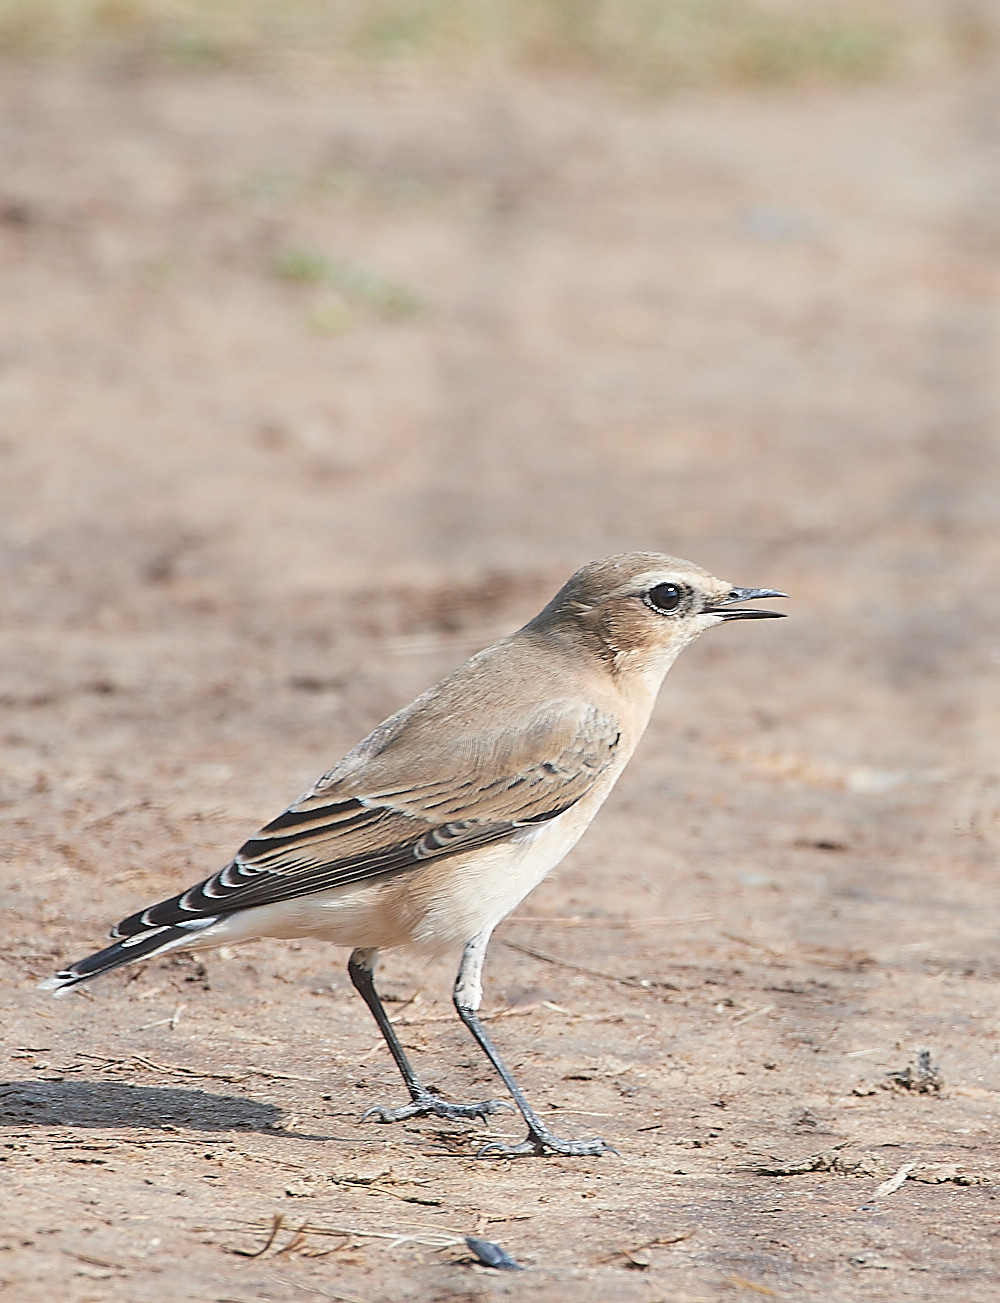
(361, 968)
(540, 1140)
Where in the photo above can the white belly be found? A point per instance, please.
(462, 900)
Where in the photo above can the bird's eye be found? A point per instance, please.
(665, 597)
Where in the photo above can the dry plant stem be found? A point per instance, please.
(631, 982)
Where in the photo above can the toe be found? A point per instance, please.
(496, 1149)
(377, 1114)
(545, 1143)
(427, 1105)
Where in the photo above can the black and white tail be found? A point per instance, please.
(143, 945)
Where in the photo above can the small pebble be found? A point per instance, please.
(491, 1255)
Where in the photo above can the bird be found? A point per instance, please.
(440, 822)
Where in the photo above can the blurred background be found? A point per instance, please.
(334, 334)
(339, 318)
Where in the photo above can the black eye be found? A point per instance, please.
(664, 597)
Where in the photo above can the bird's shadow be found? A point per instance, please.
(115, 1104)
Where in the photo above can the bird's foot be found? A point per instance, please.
(540, 1140)
(424, 1104)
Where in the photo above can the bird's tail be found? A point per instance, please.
(155, 941)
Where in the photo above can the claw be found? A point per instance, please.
(497, 1150)
(377, 1111)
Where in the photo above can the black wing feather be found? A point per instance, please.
(244, 883)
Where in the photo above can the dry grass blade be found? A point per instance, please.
(742, 1283)
(170, 1022)
(93, 1262)
(181, 1070)
(279, 1076)
(277, 1221)
(658, 1242)
(295, 1243)
(323, 1293)
(634, 983)
(895, 1182)
(663, 920)
(754, 1013)
(423, 1236)
(511, 1011)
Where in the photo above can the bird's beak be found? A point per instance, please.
(745, 595)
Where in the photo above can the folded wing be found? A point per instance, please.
(415, 797)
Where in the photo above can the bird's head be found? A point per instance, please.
(641, 609)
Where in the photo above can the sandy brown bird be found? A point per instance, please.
(432, 829)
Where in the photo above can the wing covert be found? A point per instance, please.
(406, 804)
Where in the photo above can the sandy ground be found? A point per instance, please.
(245, 516)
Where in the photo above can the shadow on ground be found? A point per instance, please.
(109, 1103)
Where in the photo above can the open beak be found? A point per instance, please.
(745, 595)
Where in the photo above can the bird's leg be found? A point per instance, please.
(361, 967)
(539, 1140)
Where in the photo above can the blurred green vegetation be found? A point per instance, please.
(650, 44)
(352, 284)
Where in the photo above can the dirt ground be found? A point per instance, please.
(307, 390)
